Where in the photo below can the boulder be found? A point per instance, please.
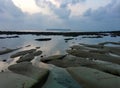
(92, 78)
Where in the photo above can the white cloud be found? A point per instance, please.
(80, 8)
(28, 6)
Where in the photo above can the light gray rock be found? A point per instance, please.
(91, 78)
(103, 57)
(27, 69)
(12, 80)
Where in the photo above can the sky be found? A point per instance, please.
(77, 15)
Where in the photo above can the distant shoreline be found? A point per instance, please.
(61, 33)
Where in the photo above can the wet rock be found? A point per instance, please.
(37, 47)
(22, 53)
(95, 36)
(70, 61)
(43, 39)
(96, 56)
(27, 57)
(28, 46)
(92, 46)
(114, 50)
(54, 57)
(91, 78)
(68, 39)
(105, 43)
(27, 69)
(105, 67)
(37, 53)
(8, 51)
(12, 80)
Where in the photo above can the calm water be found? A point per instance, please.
(55, 46)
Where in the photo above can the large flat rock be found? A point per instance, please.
(27, 69)
(91, 78)
(12, 80)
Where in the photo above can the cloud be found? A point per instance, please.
(81, 15)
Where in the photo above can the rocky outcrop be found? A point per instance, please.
(27, 69)
(22, 53)
(27, 57)
(54, 57)
(91, 78)
(96, 56)
(12, 80)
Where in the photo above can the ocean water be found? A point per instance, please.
(57, 44)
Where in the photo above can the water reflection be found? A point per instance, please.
(55, 46)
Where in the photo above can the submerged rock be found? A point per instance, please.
(27, 69)
(22, 53)
(27, 57)
(92, 46)
(8, 51)
(114, 43)
(91, 78)
(12, 80)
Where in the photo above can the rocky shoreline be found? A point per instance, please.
(84, 66)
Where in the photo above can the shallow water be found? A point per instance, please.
(55, 46)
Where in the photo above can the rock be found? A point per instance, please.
(92, 46)
(12, 80)
(8, 51)
(27, 45)
(54, 57)
(70, 61)
(114, 50)
(27, 69)
(91, 78)
(106, 67)
(37, 47)
(114, 43)
(60, 78)
(27, 57)
(68, 39)
(22, 53)
(43, 39)
(86, 54)
(37, 53)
